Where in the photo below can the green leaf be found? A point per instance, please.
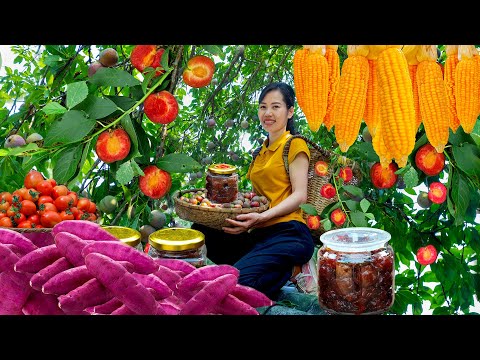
(53, 108)
(73, 127)
(214, 50)
(178, 163)
(3, 152)
(137, 170)
(76, 93)
(365, 151)
(354, 190)
(53, 60)
(410, 177)
(358, 219)
(364, 205)
(97, 107)
(475, 134)
(21, 150)
(370, 216)
(327, 224)
(468, 159)
(123, 102)
(309, 209)
(124, 173)
(67, 163)
(352, 204)
(113, 77)
(460, 194)
(128, 127)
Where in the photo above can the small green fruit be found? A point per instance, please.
(158, 219)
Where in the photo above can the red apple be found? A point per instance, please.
(321, 168)
(155, 183)
(346, 174)
(427, 255)
(338, 217)
(437, 192)
(383, 177)
(161, 107)
(199, 71)
(113, 145)
(142, 56)
(313, 222)
(328, 191)
(157, 62)
(429, 160)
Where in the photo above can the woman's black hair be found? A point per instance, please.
(288, 96)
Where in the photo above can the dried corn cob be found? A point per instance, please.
(351, 97)
(299, 75)
(411, 52)
(467, 74)
(397, 109)
(449, 80)
(379, 146)
(333, 61)
(432, 98)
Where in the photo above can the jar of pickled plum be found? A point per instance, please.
(222, 183)
(178, 243)
(126, 235)
(356, 271)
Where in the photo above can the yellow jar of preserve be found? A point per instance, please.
(126, 235)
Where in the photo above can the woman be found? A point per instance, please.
(266, 247)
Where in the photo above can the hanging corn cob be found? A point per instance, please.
(371, 114)
(333, 61)
(351, 96)
(411, 52)
(432, 97)
(311, 83)
(381, 150)
(467, 74)
(449, 80)
(397, 109)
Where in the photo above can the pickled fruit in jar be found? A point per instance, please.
(222, 183)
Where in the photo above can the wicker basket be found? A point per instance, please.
(212, 217)
(315, 182)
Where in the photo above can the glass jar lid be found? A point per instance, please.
(223, 169)
(354, 239)
(125, 234)
(176, 239)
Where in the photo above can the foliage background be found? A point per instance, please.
(54, 96)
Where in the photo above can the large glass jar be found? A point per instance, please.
(126, 235)
(222, 183)
(178, 243)
(356, 271)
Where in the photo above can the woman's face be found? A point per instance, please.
(273, 112)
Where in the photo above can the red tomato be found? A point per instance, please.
(80, 215)
(74, 196)
(50, 218)
(25, 224)
(66, 215)
(44, 199)
(83, 204)
(42, 209)
(32, 179)
(6, 222)
(28, 207)
(18, 218)
(4, 206)
(34, 219)
(74, 210)
(5, 195)
(92, 208)
(31, 194)
(59, 190)
(44, 187)
(54, 183)
(63, 202)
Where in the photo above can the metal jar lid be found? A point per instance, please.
(223, 169)
(176, 239)
(126, 235)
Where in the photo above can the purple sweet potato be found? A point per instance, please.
(123, 310)
(8, 236)
(41, 277)
(41, 304)
(168, 276)
(37, 259)
(105, 308)
(154, 282)
(7, 258)
(208, 272)
(205, 300)
(143, 263)
(169, 306)
(15, 249)
(121, 283)
(71, 246)
(67, 280)
(40, 239)
(230, 305)
(14, 291)
(84, 229)
(176, 264)
(88, 294)
(251, 296)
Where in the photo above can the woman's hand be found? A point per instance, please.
(242, 223)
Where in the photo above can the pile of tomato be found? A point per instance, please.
(43, 203)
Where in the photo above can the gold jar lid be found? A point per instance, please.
(176, 239)
(223, 169)
(125, 234)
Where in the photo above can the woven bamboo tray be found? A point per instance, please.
(212, 217)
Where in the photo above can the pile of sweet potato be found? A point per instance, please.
(88, 271)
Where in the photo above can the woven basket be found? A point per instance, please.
(316, 182)
(212, 217)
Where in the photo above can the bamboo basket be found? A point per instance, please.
(212, 217)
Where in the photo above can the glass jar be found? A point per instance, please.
(178, 243)
(126, 235)
(222, 183)
(356, 271)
